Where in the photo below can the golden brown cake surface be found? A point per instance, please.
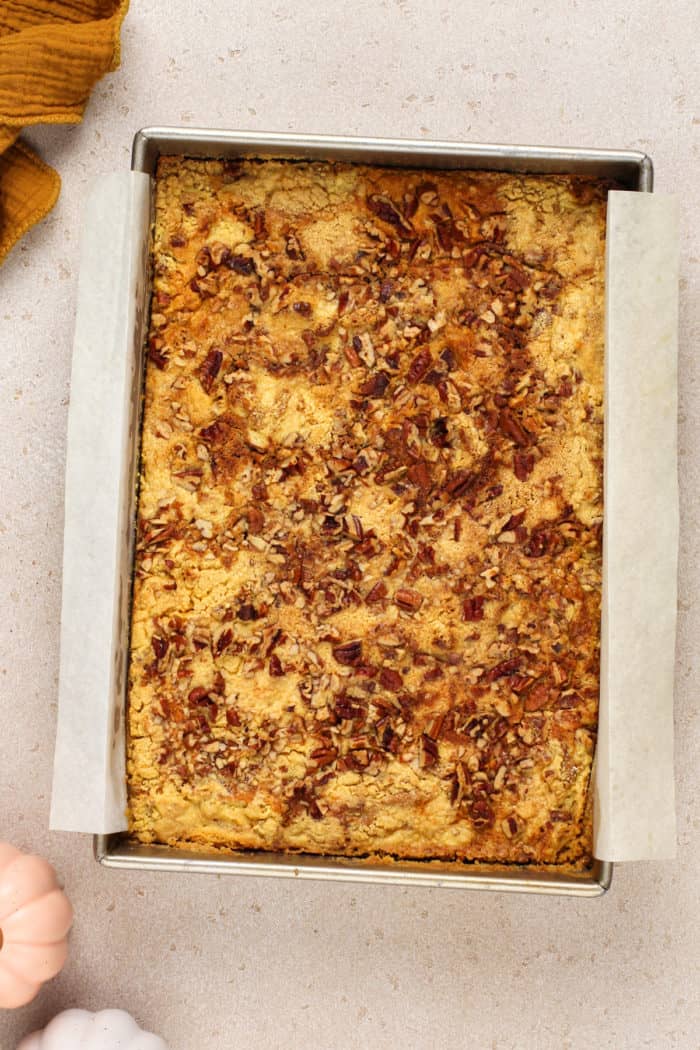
(367, 590)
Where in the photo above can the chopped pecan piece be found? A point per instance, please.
(156, 355)
(449, 359)
(481, 812)
(210, 369)
(408, 599)
(348, 653)
(473, 609)
(376, 385)
(390, 740)
(385, 291)
(390, 679)
(160, 646)
(197, 694)
(439, 434)
(538, 545)
(293, 247)
(429, 753)
(214, 432)
(537, 697)
(376, 593)
(352, 355)
(502, 669)
(275, 666)
(385, 210)
(419, 474)
(241, 264)
(419, 366)
(523, 465)
(347, 709)
(567, 701)
(203, 261)
(256, 520)
(514, 429)
(323, 756)
(515, 520)
(223, 641)
(459, 483)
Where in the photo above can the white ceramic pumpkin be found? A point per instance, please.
(82, 1030)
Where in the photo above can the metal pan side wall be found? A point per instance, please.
(635, 171)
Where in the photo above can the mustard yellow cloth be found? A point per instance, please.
(51, 54)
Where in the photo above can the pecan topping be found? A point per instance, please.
(367, 537)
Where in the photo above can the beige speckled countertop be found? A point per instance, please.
(211, 963)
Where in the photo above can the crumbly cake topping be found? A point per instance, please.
(366, 604)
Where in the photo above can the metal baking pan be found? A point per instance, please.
(630, 168)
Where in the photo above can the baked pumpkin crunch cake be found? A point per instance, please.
(367, 584)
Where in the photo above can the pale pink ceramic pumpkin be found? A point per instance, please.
(35, 916)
